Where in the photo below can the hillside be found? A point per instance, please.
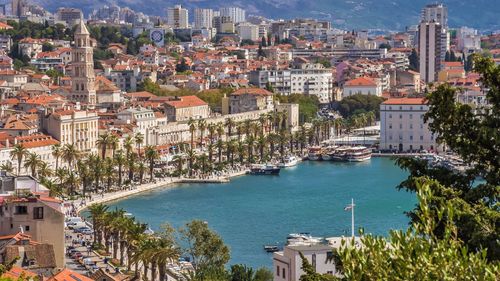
(349, 14)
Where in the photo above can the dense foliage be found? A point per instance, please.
(359, 103)
(474, 134)
(308, 105)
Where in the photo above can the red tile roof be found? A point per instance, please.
(69, 275)
(361, 81)
(403, 101)
(186, 101)
(252, 91)
(16, 272)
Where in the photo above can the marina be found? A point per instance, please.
(251, 212)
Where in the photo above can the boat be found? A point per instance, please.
(325, 156)
(304, 238)
(271, 248)
(268, 169)
(289, 161)
(314, 153)
(327, 153)
(358, 154)
(339, 154)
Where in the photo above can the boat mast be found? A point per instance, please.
(352, 217)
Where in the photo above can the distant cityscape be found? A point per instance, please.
(97, 107)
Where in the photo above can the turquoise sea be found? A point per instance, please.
(251, 211)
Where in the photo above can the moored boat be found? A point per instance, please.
(358, 154)
(289, 161)
(271, 248)
(260, 169)
(314, 153)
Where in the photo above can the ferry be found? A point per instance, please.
(358, 154)
(314, 153)
(260, 169)
(340, 154)
(289, 161)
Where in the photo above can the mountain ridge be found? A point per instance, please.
(347, 14)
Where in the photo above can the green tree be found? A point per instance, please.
(204, 246)
(474, 134)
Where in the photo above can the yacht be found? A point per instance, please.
(296, 239)
(267, 169)
(358, 154)
(289, 161)
(314, 153)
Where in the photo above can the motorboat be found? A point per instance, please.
(267, 169)
(314, 153)
(289, 161)
(304, 238)
(271, 248)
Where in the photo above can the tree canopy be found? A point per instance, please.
(359, 103)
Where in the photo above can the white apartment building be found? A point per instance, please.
(438, 12)
(79, 128)
(203, 18)
(236, 14)
(177, 17)
(144, 119)
(248, 31)
(402, 126)
(468, 39)
(309, 79)
(430, 50)
(363, 86)
(287, 265)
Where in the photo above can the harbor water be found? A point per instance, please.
(252, 211)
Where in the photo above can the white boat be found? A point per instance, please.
(289, 161)
(296, 239)
(358, 154)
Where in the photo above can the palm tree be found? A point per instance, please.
(139, 140)
(131, 165)
(212, 128)
(263, 118)
(32, 162)
(220, 146)
(18, 153)
(113, 144)
(120, 161)
(108, 172)
(141, 168)
(61, 174)
(103, 143)
(220, 130)
(84, 171)
(166, 250)
(261, 142)
(97, 213)
(192, 130)
(57, 153)
(72, 181)
(191, 155)
(210, 149)
(250, 143)
(54, 189)
(70, 154)
(151, 156)
(7, 167)
(179, 159)
(202, 159)
(241, 151)
(44, 170)
(128, 144)
(229, 124)
(202, 126)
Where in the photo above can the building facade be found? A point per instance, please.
(402, 126)
(236, 14)
(203, 18)
(430, 50)
(178, 17)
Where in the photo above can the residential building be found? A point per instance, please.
(363, 86)
(402, 126)
(250, 99)
(177, 17)
(70, 16)
(248, 31)
(5, 42)
(307, 79)
(287, 264)
(430, 51)
(236, 14)
(468, 40)
(19, 7)
(186, 107)
(438, 12)
(143, 118)
(203, 18)
(83, 77)
(79, 128)
(39, 216)
(69, 275)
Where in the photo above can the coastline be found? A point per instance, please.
(161, 183)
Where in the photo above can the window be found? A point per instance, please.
(401, 126)
(411, 137)
(278, 270)
(411, 116)
(421, 138)
(21, 210)
(400, 116)
(411, 126)
(38, 213)
(283, 271)
(390, 126)
(27, 228)
(314, 261)
(390, 115)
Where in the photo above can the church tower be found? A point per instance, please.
(83, 78)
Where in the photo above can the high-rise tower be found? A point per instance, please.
(83, 78)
